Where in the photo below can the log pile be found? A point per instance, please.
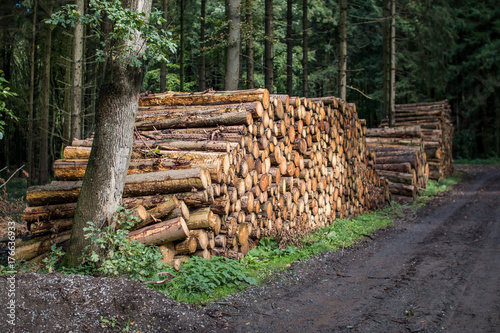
(213, 172)
(401, 159)
(435, 121)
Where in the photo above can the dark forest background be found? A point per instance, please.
(445, 49)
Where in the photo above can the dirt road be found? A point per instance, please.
(438, 273)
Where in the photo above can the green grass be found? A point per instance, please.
(489, 160)
(435, 187)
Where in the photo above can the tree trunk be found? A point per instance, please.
(44, 126)
(250, 50)
(76, 100)
(268, 47)
(289, 49)
(66, 113)
(386, 58)
(392, 85)
(163, 66)
(104, 178)
(343, 50)
(233, 48)
(304, 49)
(202, 65)
(31, 166)
(181, 47)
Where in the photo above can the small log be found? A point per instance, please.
(187, 246)
(201, 238)
(168, 251)
(159, 233)
(156, 213)
(202, 253)
(202, 218)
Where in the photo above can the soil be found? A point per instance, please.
(437, 271)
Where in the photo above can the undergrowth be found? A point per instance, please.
(12, 198)
(488, 160)
(435, 187)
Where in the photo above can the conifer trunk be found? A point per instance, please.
(233, 48)
(268, 46)
(289, 49)
(250, 51)
(202, 64)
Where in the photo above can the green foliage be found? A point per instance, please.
(50, 262)
(200, 278)
(5, 270)
(490, 160)
(5, 93)
(435, 187)
(267, 258)
(125, 24)
(269, 248)
(112, 254)
(116, 255)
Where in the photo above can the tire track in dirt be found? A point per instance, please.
(439, 273)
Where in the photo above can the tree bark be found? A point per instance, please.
(208, 98)
(304, 49)
(104, 178)
(392, 97)
(163, 66)
(386, 58)
(181, 48)
(44, 126)
(268, 47)
(202, 66)
(76, 98)
(159, 233)
(233, 8)
(250, 47)
(289, 48)
(343, 50)
(31, 166)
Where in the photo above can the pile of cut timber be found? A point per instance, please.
(213, 172)
(401, 159)
(435, 120)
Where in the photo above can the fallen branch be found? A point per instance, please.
(170, 277)
(10, 175)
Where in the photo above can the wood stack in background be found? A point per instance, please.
(401, 159)
(212, 173)
(434, 119)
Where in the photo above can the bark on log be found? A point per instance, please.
(156, 213)
(135, 185)
(202, 218)
(159, 233)
(208, 98)
(225, 119)
(187, 246)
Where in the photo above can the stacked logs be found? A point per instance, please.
(212, 173)
(435, 120)
(401, 159)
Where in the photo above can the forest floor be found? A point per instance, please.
(437, 271)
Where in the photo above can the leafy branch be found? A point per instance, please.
(125, 25)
